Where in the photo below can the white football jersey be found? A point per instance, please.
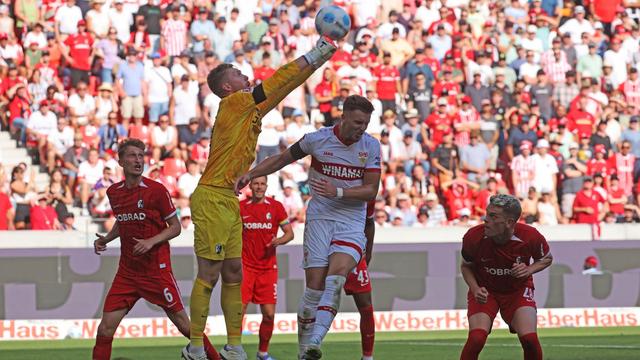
(343, 165)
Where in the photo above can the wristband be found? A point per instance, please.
(339, 193)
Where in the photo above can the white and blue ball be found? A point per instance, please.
(333, 22)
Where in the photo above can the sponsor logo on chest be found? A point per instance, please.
(342, 171)
(124, 217)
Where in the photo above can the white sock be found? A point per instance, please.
(196, 350)
(307, 316)
(328, 307)
(367, 357)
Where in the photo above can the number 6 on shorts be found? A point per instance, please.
(167, 295)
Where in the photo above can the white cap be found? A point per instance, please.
(185, 212)
(403, 196)
(598, 25)
(542, 143)
(431, 197)
(532, 29)
(464, 212)
(289, 183)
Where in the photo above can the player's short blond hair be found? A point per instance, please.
(130, 142)
(509, 204)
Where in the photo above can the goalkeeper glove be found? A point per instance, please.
(324, 50)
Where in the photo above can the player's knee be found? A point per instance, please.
(477, 337)
(106, 329)
(268, 316)
(530, 341)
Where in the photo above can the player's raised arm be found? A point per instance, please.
(271, 165)
(288, 77)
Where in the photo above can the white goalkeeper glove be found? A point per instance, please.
(321, 53)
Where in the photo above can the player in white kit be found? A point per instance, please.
(344, 175)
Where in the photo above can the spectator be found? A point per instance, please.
(189, 136)
(111, 134)
(89, 172)
(290, 199)
(67, 16)
(338, 101)
(164, 139)
(585, 205)
(475, 159)
(189, 180)
(60, 196)
(445, 158)
(153, 16)
(202, 30)
(82, 106)
(98, 19)
(381, 218)
(387, 80)
(6, 208)
(22, 192)
(185, 219)
(108, 48)
(523, 168)
(258, 28)
(222, 38)
(159, 84)
(174, 33)
(106, 102)
(548, 210)
(79, 53)
(565, 91)
(132, 87)
(184, 104)
(419, 97)
(631, 215)
(437, 215)
(40, 126)
(545, 169)
(58, 142)
(458, 195)
(409, 153)
(590, 266)
(43, 216)
(477, 91)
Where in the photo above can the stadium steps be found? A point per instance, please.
(11, 155)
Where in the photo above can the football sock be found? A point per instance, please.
(367, 330)
(327, 308)
(475, 343)
(531, 346)
(266, 329)
(307, 316)
(212, 353)
(200, 297)
(231, 300)
(102, 350)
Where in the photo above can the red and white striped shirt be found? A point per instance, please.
(556, 71)
(464, 117)
(631, 91)
(174, 33)
(524, 168)
(623, 166)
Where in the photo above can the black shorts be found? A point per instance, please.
(22, 213)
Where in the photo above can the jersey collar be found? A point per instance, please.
(336, 132)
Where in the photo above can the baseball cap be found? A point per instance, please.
(82, 23)
(408, 133)
(44, 103)
(442, 101)
(431, 197)
(532, 29)
(273, 21)
(464, 212)
(525, 145)
(573, 145)
(599, 148)
(578, 9)
(634, 118)
(591, 260)
(155, 55)
(411, 113)
(288, 184)
(403, 196)
(466, 99)
(238, 52)
(345, 84)
(542, 143)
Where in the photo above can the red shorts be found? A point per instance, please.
(358, 281)
(160, 289)
(507, 304)
(259, 287)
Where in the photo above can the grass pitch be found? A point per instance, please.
(621, 343)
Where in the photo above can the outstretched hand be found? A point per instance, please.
(100, 244)
(241, 183)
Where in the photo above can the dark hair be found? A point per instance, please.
(357, 102)
(509, 204)
(215, 79)
(130, 142)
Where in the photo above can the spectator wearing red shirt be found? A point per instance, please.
(79, 54)
(325, 91)
(265, 70)
(439, 123)
(483, 196)
(6, 212)
(19, 111)
(616, 197)
(599, 164)
(387, 80)
(605, 11)
(585, 205)
(459, 195)
(43, 216)
(579, 120)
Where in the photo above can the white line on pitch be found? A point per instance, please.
(580, 346)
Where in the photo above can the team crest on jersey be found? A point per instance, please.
(363, 157)
(268, 216)
(140, 204)
(518, 259)
(218, 248)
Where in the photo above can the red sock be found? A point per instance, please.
(266, 329)
(473, 346)
(367, 330)
(531, 346)
(102, 350)
(211, 352)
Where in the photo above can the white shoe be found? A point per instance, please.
(264, 357)
(233, 353)
(312, 352)
(186, 355)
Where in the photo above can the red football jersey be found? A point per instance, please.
(492, 262)
(141, 213)
(260, 223)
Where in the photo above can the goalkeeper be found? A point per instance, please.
(214, 206)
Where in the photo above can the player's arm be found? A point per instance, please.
(271, 165)
(287, 235)
(100, 244)
(369, 233)
(172, 230)
(288, 77)
(542, 259)
(365, 192)
(480, 293)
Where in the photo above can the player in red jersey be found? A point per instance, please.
(146, 221)
(498, 269)
(358, 285)
(261, 218)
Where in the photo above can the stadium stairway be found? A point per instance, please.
(11, 155)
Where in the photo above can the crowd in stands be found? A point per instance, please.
(537, 98)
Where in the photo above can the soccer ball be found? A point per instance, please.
(333, 22)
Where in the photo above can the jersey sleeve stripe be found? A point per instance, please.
(174, 213)
(348, 244)
(284, 222)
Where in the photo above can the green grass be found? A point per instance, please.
(622, 343)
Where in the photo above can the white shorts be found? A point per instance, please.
(325, 237)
